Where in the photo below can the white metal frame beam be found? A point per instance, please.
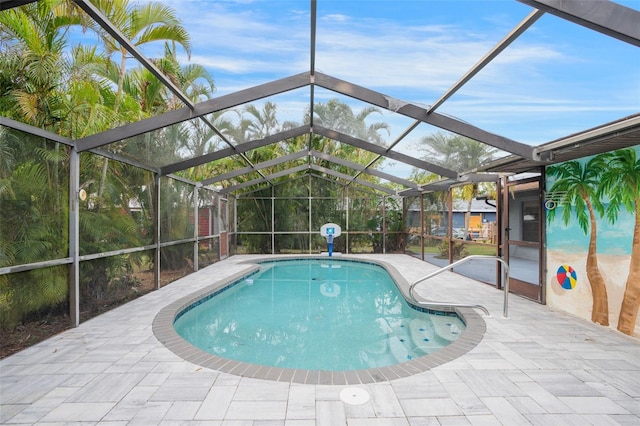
(378, 149)
(603, 16)
(413, 111)
(183, 114)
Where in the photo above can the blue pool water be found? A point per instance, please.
(331, 315)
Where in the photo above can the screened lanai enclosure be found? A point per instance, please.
(142, 141)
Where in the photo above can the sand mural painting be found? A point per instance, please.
(593, 238)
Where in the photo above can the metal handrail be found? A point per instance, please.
(505, 311)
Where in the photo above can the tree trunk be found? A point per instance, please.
(600, 310)
(631, 299)
(121, 74)
(103, 177)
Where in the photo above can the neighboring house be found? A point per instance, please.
(481, 217)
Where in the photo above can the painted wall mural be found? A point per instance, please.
(593, 238)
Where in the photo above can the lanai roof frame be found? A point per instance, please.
(609, 18)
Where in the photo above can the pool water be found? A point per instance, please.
(332, 315)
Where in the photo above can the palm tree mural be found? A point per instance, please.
(621, 181)
(578, 185)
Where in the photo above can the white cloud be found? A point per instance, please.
(544, 73)
(335, 17)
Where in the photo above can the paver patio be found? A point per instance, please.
(539, 366)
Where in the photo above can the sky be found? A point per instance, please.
(557, 79)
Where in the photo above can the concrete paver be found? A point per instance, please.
(537, 367)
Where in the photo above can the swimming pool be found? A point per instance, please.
(331, 315)
(313, 320)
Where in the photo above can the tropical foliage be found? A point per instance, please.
(33, 212)
(300, 195)
(460, 154)
(50, 80)
(456, 152)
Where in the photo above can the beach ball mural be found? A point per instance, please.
(567, 277)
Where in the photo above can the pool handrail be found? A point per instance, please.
(505, 311)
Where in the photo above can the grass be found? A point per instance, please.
(471, 248)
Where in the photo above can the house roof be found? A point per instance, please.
(619, 134)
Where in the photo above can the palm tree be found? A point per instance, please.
(7, 156)
(455, 152)
(88, 102)
(255, 123)
(340, 117)
(262, 122)
(458, 153)
(142, 24)
(33, 179)
(35, 61)
(32, 227)
(579, 185)
(621, 181)
(192, 79)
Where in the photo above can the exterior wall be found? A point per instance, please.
(590, 267)
(457, 218)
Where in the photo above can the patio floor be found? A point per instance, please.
(539, 366)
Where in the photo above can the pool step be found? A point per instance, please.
(445, 328)
(398, 348)
(422, 335)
